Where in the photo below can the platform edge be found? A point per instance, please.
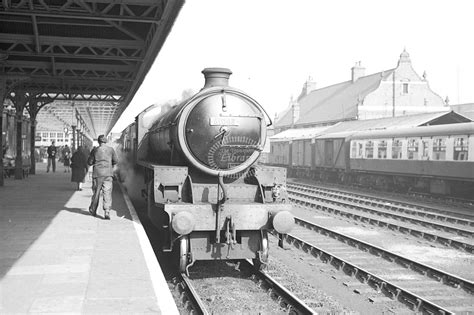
(164, 298)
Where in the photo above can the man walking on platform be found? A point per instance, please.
(52, 150)
(103, 158)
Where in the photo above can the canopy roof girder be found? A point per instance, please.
(83, 51)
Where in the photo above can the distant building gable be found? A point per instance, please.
(393, 92)
(403, 92)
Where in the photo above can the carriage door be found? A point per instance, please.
(328, 153)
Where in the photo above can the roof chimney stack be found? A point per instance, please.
(357, 71)
(308, 87)
(295, 111)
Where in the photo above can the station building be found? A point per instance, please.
(390, 93)
(44, 137)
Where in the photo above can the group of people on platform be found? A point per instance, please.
(65, 157)
(102, 159)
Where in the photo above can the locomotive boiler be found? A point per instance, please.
(204, 187)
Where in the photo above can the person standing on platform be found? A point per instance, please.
(52, 150)
(79, 167)
(66, 159)
(103, 158)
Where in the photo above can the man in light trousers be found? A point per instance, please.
(103, 158)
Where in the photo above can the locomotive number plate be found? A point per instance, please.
(223, 121)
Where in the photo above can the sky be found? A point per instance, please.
(274, 46)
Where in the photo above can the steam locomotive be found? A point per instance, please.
(203, 184)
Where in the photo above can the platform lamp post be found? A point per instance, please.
(73, 127)
(79, 136)
(66, 134)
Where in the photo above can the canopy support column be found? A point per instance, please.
(3, 93)
(19, 100)
(34, 106)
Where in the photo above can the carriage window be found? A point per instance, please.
(359, 150)
(382, 152)
(460, 149)
(412, 149)
(439, 149)
(353, 149)
(369, 150)
(397, 149)
(425, 149)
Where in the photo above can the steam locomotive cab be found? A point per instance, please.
(204, 188)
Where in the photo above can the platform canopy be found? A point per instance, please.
(86, 57)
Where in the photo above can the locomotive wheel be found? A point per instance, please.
(183, 251)
(262, 255)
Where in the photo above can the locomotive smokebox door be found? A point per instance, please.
(223, 140)
(221, 130)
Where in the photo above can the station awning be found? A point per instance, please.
(86, 58)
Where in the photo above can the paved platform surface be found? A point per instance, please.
(56, 258)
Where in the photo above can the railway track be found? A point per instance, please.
(449, 234)
(189, 296)
(423, 288)
(427, 208)
(287, 301)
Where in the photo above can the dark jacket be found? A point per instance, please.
(103, 159)
(78, 166)
(52, 150)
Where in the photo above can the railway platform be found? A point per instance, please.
(57, 258)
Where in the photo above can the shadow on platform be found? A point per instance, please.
(44, 215)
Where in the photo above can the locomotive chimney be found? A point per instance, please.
(216, 76)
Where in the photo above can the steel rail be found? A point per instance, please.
(197, 304)
(390, 204)
(401, 206)
(431, 272)
(378, 211)
(394, 291)
(329, 207)
(290, 301)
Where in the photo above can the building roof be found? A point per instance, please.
(334, 103)
(407, 121)
(345, 128)
(466, 109)
(303, 133)
(423, 131)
